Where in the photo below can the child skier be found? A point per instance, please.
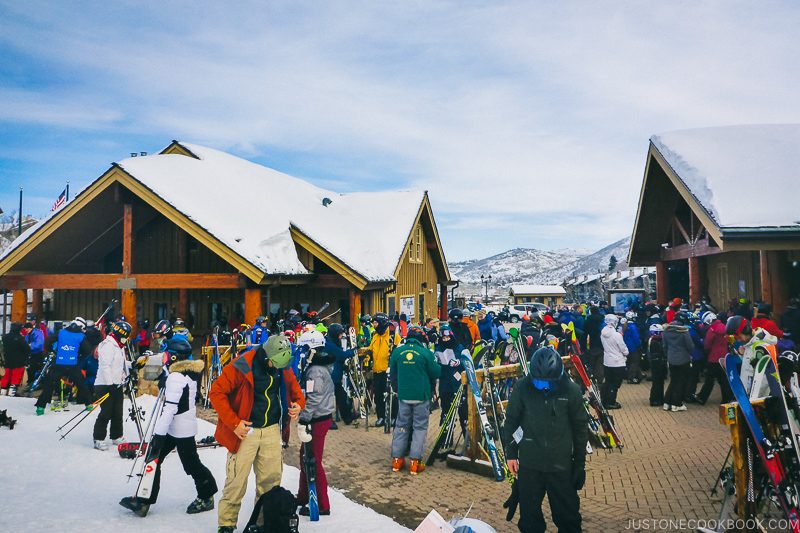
(317, 416)
(176, 427)
(112, 368)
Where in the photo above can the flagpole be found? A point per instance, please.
(67, 190)
(19, 222)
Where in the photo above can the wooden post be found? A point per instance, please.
(127, 239)
(772, 272)
(183, 303)
(37, 303)
(662, 283)
(129, 308)
(443, 311)
(695, 281)
(19, 306)
(252, 305)
(355, 307)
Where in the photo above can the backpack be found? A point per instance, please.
(277, 506)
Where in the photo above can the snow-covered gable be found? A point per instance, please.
(250, 208)
(548, 290)
(724, 167)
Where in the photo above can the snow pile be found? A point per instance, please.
(722, 167)
(68, 486)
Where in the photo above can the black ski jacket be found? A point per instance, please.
(554, 427)
(15, 349)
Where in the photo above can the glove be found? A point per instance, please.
(512, 502)
(154, 449)
(162, 380)
(454, 363)
(578, 476)
(304, 431)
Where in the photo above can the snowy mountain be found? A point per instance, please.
(528, 265)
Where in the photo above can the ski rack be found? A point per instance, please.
(731, 415)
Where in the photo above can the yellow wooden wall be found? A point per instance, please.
(410, 279)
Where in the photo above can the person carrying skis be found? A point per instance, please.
(382, 339)
(176, 427)
(546, 433)
(412, 367)
(333, 347)
(112, 369)
(316, 417)
(253, 397)
(68, 347)
(615, 354)
(15, 353)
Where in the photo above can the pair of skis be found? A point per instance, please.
(355, 381)
(601, 423)
(309, 460)
(215, 368)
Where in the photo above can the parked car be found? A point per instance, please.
(514, 313)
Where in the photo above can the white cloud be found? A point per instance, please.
(518, 112)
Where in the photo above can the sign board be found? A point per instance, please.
(407, 306)
(622, 300)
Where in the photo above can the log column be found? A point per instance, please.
(443, 311)
(19, 306)
(662, 283)
(129, 307)
(773, 279)
(37, 303)
(252, 305)
(696, 280)
(128, 295)
(183, 303)
(355, 307)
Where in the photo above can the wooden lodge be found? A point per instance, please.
(550, 295)
(200, 234)
(718, 214)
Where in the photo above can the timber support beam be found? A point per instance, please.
(116, 281)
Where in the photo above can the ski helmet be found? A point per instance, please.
(289, 335)
(445, 330)
(708, 317)
(260, 319)
(546, 367)
(31, 317)
(366, 319)
(656, 329)
(163, 328)
(415, 332)
(681, 317)
(278, 349)
(764, 308)
(456, 314)
(382, 319)
(313, 339)
(121, 330)
(178, 349)
(80, 322)
(335, 331)
(738, 325)
(179, 322)
(630, 315)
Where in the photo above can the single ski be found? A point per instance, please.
(491, 448)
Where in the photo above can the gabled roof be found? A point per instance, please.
(256, 211)
(720, 165)
(550, 290)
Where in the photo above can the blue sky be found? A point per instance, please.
(527, 122)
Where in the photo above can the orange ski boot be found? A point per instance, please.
(398, 463)
(417, 466)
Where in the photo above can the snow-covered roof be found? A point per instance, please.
(720, 165)
(553, 290)
(251, 209)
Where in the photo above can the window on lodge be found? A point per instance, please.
(415, 247)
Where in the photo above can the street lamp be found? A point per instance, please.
(485, 281)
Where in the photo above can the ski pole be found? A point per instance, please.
(149, 430)
(94, 406)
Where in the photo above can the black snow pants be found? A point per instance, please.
(53, 378)
(110, 411)
(561, 493)
(187, 452)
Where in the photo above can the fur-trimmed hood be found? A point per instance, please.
(188, 366)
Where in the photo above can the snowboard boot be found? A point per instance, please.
(398, 463)
(39, 411)
(417, 467)
(137, 506)
(100, 445)
(200, 505)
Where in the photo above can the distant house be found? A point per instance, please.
(550, 295)
(204, 235)
(718, 214)
(595, 287)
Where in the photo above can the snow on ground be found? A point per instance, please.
(49, 485)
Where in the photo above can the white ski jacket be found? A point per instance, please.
(615, 352)
(112, 366)
(178, 416)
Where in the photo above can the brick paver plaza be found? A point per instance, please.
(666, 471)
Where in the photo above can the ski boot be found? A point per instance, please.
(39, 411)
(379, 423)
(3, 392)
(12, 391)
(137, 506)
(200, 505)
(100, 445)
(417, 466)
(398, 463)
(117, 442)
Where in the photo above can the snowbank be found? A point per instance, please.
(68, 486)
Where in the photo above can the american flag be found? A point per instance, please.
(62, 199)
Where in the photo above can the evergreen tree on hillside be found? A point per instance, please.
(612, 263)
